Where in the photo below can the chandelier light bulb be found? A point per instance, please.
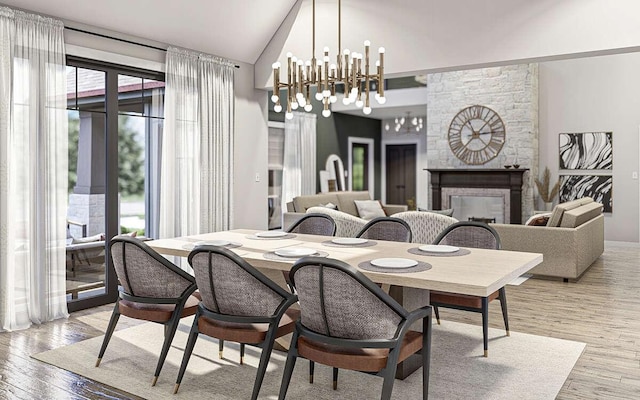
(294, 59)
(277, 108)
(397, 128)
(275, 98)
(326, 93)
(386, 126)
(381, 99)
(294, 105)
(308, 107)
(275, 65)
(359, 103)
(319, 95)
(396, 121)
(381, 50)
(333, 99)
(302, 101)
(288, 115)
(417, 129)
(346, 101)
(367, 43)
(402, 121)
(289, 55)
(346, 52)
(366, 110)
(326, 113)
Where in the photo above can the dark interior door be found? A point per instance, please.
(400, 173)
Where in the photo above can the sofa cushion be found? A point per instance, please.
(369, 209)
(302, 203)
(346, 201)
(558, 211)
(578, 216)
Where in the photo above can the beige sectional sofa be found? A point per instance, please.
(570, 242)
(343, 200)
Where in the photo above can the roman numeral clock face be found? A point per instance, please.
(476, 135)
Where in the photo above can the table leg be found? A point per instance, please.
(410, 299)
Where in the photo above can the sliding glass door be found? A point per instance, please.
(115, 126)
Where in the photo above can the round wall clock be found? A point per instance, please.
(476, 135)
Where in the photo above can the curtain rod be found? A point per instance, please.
(119, 39)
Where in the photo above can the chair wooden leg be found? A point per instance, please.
(220, 347)
(241, 353)
(193, 336)
(113, 321)
(267, 347)
(170, 332)
(485, 325)
(503, 305)
(435, 310)
(426, 355)
(335, 378)
(288, 367)
(311, 369)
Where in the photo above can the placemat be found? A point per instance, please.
(417, 251)
(422, 266)
(273, 256)
(329, 243)
(287, 236)
(232, 245)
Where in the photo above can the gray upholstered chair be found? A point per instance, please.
(425, 226)
(348, 322)
(386, 228)
(238, 304)
(152, 289)
(481, 236)
(314, 224)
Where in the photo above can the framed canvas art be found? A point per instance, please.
(598, 187)
(586, 151)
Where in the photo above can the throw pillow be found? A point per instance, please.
(88, 239)
(369, 209)
(538, 219)
(448, 212)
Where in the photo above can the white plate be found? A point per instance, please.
(394, 262)
(439, 248)
(271, 234)
(349, 240)
(212, 243)
(296, 252)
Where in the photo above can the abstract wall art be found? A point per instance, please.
(586, 151)
(598, 187)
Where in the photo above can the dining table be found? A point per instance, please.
(471, 271)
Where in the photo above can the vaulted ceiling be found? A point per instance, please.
(238, 29)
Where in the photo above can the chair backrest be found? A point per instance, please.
(470, 234)
(347, 225)
(337, 300)
(386, 228)
(230, 285)
(143, 272)
(425, 226)
(314, 224)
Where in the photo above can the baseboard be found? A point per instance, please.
(615, 243)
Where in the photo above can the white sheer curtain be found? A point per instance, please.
(197, 148)
(299, 164)
(33, 170)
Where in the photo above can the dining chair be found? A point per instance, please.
(476, 235)
(425, 226)
(239, 304)
(314, 224)
(152, 289)
(347, 321)
(386, 228)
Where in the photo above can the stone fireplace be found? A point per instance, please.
(479, 193)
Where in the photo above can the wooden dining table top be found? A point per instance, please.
(479, 273)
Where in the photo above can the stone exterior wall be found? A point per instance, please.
(512, 92)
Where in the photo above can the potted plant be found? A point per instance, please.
(547, 195)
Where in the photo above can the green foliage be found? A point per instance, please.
(130, 156)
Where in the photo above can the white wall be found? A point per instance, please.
(597, 94)
(436, 35)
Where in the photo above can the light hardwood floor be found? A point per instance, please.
(602, 310)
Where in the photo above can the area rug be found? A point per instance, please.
(521, 366)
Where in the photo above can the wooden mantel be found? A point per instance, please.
(505, 178)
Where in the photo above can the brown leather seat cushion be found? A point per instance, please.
(463, 300)
(247, 333)
(157, 312)
(370, 360)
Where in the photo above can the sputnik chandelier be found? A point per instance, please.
(406, 124)
(302, 75)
